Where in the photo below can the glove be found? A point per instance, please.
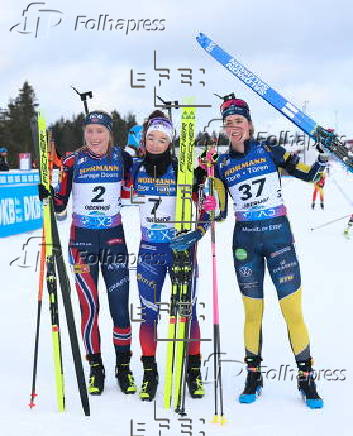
(206, 157)
(186, 241)
(209, 203)
(221, 216)
(44, 193)
(291, 162)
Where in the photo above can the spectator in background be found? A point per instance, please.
(4, 166)
(319, 188)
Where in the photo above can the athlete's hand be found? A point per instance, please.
(209, 203)
(323, 158)
(44, 193)
(186, 241)
(221, 216)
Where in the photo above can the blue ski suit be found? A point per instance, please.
(262, 234)
(157, 201)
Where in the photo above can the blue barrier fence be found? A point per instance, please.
(20, 208)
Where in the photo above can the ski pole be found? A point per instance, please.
(330, 222)
(39, 311)
(217, 368)
(349, 200)
(194, 282)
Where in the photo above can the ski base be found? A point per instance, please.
(181, 272)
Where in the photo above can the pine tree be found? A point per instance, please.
(15, 130)
(16, 133)
(121, 127)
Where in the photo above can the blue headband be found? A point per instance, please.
(97, 117)
(237, 110)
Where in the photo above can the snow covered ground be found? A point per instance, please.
(327, 276)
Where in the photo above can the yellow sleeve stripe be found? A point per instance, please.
(221, 192)
(299, 166)
(303, 167)
(202, 229)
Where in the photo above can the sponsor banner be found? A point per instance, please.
(20, 208)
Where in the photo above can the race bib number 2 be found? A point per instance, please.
(92, 198)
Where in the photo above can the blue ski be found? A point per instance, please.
(325, 138)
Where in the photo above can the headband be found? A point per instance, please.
(101, 118)
(235, 107)
(162, 125)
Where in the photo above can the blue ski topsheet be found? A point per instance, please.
(289, 110)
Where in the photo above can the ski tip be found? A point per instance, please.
(202, 39)
(314, 403)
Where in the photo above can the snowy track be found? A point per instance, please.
(327, 278)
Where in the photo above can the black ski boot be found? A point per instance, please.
(306, 385)
(253, 383)
(96, 375)
(312, 205)
(194, 380)
(150, 379)
(123, 373)
(322, 205)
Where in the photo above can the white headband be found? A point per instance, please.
(161, 128)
